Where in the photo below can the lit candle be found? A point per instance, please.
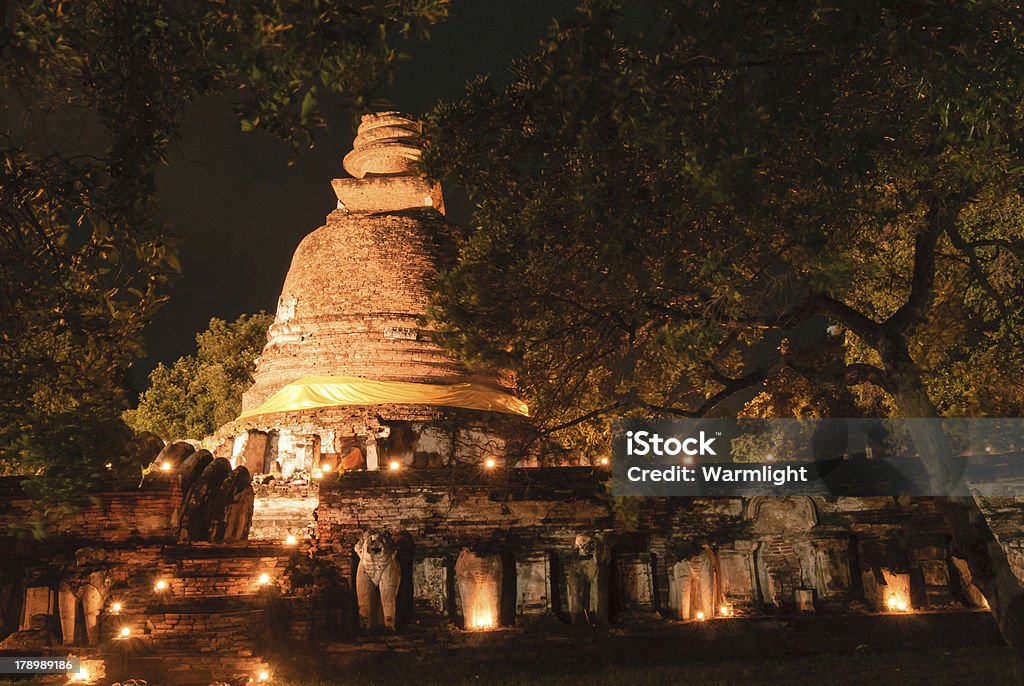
(700, 616)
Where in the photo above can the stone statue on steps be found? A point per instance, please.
(196, 508)
(377, 578)
(231, 508)
(587, 577)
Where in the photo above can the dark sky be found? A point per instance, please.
(240, 210)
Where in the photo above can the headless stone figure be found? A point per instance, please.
(479, 580)
(88, 585)
(587, 576)
(694, 582)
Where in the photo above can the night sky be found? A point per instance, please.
(239, 210)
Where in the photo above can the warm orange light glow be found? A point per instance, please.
(264, 579)
(125, 632)
(290, 539)
(165, 466)
(725, 611)
(115, 607)
(318, 474)
(81, 675)
(604, 461)
(325, 468)
(264, 676)
(161, 585)
(490, 463)
(394, 465)
(700, 616)
(483, 620)
(897, 603)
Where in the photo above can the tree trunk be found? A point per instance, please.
(972, 536)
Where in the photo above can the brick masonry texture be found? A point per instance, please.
(351, 282)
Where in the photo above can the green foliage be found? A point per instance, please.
(92, 95)
(674, 200)
(202, 392)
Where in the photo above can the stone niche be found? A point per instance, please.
(794, 555)
(431, 583)
(738, 575)
(533, 585)
(635, 576)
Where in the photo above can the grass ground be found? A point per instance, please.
(926, 649)
(983, 666)
(929, 649)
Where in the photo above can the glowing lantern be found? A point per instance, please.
(115, 608)
(725, 611)
(125, 632)
(700, 616)
(490, 463)
(161, 585)
(604, 461)
(289, 539)
(325, 468)
(264, 579)
(165, 466)
(263, 676)
(394, 465)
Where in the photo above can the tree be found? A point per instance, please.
(202, 392)
(664, 196)
(83, 262)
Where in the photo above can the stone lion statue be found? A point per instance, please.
(587, 577)
(377, 577)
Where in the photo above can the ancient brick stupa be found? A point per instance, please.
(350, 376)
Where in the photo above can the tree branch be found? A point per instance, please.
(922, 284)
(866, 373)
